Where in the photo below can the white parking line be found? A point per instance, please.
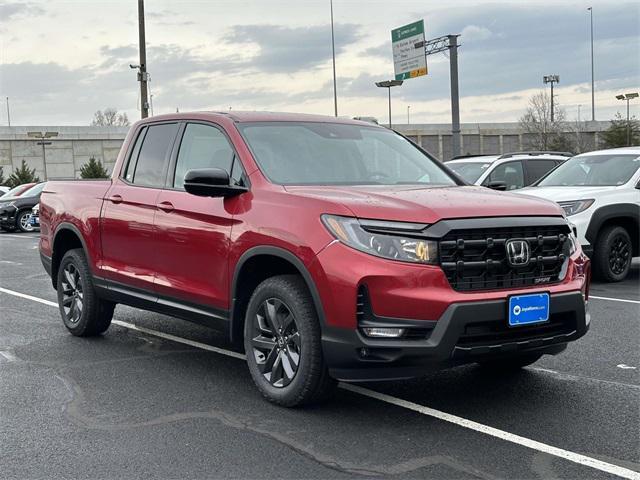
(423, 410)
(18, 236)
(624, 300)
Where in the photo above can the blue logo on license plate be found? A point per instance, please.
(528, 309)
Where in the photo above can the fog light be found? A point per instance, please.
(383, 332)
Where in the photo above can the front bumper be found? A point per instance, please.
(465, 333)
(8, 217)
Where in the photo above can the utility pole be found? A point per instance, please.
(333, 52)
(593, 95)
(551, 79)
(8, 113)
(455, 95)
(142, 72)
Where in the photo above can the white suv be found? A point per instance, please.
(507, 172)
(599, 192)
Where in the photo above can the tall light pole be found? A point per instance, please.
(142, 68)
(408, 107)
(593, 95)
(333, 54)
(43, 136)
(8, 113)
(551, 79)
(627, 97)
(388, 84)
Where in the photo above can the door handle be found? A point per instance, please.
(166, 207)
(115, 198)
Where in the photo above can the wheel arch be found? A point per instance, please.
(256, 265)
(626, 215)
(67, 237)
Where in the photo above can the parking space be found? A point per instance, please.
(160, 401)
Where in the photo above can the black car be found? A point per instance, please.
(15, 212)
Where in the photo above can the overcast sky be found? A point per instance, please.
(60, 61)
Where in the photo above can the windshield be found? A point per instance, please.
(469, 171)
(308, 153)
(33, 191)
(12, 192)
(593, 170)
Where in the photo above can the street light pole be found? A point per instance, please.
(333, 53)
(551, 79)
(408, 107)
(42, 136)
(593, 97)
(142, 73)
(8, 113)
(388, 84)
(455, 96)
(628, 97)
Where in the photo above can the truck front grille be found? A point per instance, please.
(476, 259)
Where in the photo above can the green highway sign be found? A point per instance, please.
(409, 56)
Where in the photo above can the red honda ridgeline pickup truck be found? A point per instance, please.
(333, 249)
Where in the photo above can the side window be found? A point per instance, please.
(510, 173)
(150, 168)
(202, 146)
(537, 168)
(131, 166)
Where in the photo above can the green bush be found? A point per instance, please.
(93, 169)
(21, 175)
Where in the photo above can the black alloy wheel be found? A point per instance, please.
(276, 342)
(619, 254)
(72, 294)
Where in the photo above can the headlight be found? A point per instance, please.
(6, 204)
(576, 206)
(392, 240)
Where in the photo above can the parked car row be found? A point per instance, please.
(16, 207)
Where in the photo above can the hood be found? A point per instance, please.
(562, 194)
(427, 205)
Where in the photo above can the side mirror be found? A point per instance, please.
(210, 182)
(497, 185)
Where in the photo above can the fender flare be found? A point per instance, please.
(285, 255)
(607, 212)
(70, 227)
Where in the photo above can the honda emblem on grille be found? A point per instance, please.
(518, 252)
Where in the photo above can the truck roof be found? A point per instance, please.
(261, 116)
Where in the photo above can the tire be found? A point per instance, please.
(284, 301)
(22, 221)
(83, 313)
(612, 254)
(510, 364)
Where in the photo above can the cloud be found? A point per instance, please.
(278, 48)
(474, 33)
(13, 10)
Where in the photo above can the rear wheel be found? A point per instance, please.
(612, 254)
(282, 343)
(23, 221)
(83, 312)
(510, 364)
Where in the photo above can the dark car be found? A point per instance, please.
(17, 191)
(15, 212)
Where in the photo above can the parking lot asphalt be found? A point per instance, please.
(139, 404)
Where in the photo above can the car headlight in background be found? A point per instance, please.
(576, 206)
(384, 239)
(6, 204)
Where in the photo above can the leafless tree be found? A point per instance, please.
(110, 117)
(543, 134)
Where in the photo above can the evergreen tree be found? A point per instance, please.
(93, 169)
(21, 175)
(1, 176)
(616, 134)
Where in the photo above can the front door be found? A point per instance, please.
(128, 252)
(193, 232)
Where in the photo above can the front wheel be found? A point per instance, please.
(83, 313)
(282, 343)
(612, 254)
(23, 221)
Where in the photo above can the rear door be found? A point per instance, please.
(511, 173)
(194, 232)
(537, 168)
(129, 254)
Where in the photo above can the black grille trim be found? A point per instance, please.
(476, 259)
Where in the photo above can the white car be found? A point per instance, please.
(507, 172)
(600, 194)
